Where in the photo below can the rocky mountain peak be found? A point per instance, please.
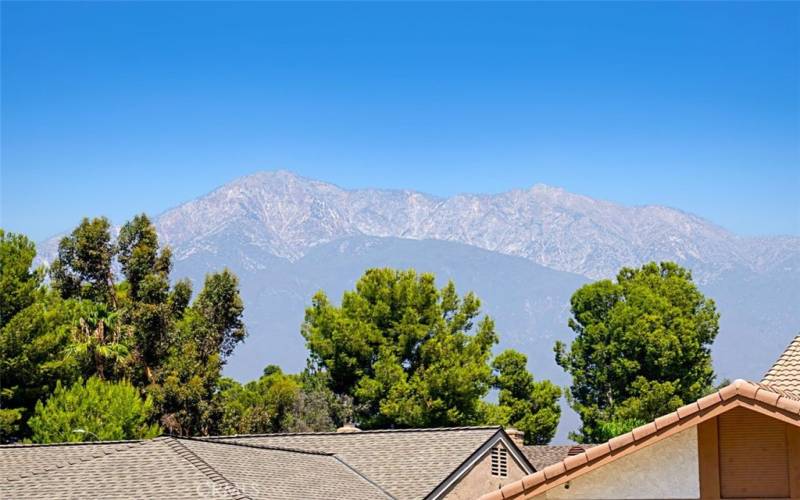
(282, 214)
(285, 215)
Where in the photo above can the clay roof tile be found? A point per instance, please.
(575, 460)
(746, 389)
(767, 396)
(780, 398)
(790, 405)
(728, 392)
(785, 373)
(688, 410)
(512, 490)
(644, 430)
(708, 401)
(666, 420)
(554, 470)
(620, 441)
(597, 451)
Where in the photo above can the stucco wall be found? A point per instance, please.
(479, 480)
(664, 470)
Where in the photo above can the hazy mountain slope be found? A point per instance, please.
(529, 302)
(759, 315)
(286, 215)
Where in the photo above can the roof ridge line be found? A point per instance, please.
(258, 446)
(360, 432)
(80, 460)
(362, 476)
(205, 468)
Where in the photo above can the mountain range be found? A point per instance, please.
(523, 252)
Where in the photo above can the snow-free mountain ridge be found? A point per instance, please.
(286, 215)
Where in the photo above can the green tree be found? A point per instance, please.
(220, 306)
(32, 344)
(85, 324)
(408, 353)
(138, 252)
(279, 402)
(18, 283)
(96, 410)
(524, 404)
(183, 392)
(317, 408)
(83, 267)
(97, 342)
(149, 308)
(264, 405)
(186, 385)
(642, 348)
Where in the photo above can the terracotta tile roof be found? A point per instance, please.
(781, 404)
(785, 373)
(179, 469)
(407, 463)
(542, 456)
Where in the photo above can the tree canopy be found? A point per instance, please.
(94, 411)
(527, 405)
(91, 325)
(412, 355)
(641, 349)
(18, 282)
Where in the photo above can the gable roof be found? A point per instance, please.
(402, 464)
(407, 463)
(785, 373)
(777, 403)
(178, 468)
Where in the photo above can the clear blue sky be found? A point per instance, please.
(117, 108)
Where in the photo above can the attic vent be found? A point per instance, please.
(499, 462)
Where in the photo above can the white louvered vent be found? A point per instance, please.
(499, 461)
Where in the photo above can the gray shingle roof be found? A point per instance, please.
(302, 475)
(409, 464)
(19, 460)
(177, 469)
(542, 456)
(785, 373)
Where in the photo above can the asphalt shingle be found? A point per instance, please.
(311, 476)
(172, 468)
(149, 470)
(408, 464)
(542, 456)
(24, 460)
